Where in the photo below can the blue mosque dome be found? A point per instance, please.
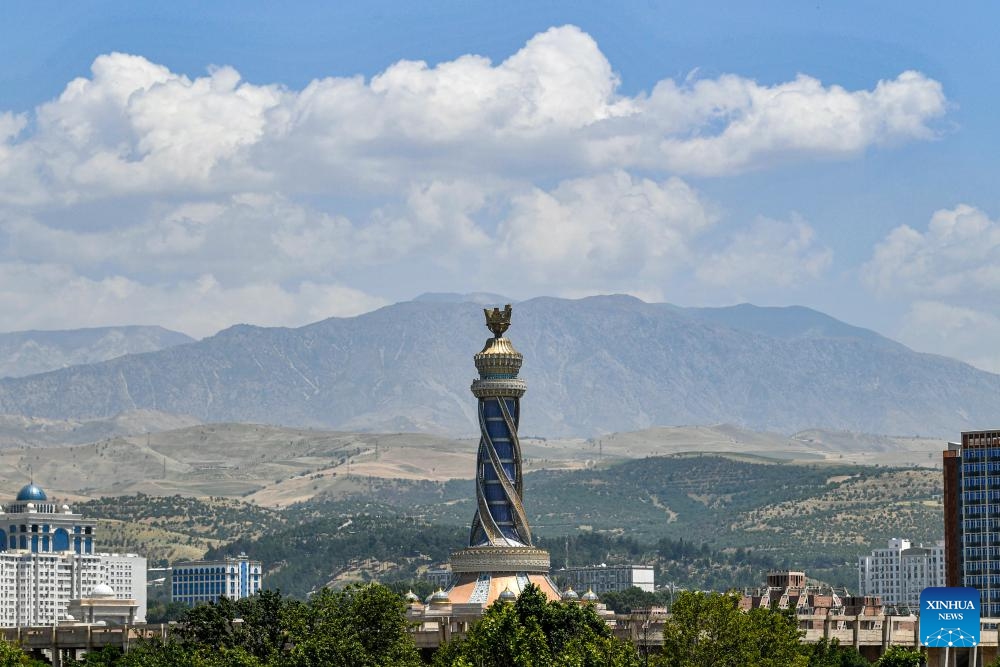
(31, 493)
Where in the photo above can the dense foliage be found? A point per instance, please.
(831, 654)
(900, 656)
(709, 630)
(220, 518)
(360, 625)
(160, 608)
(165, 528)
(534, 632)
(310, 555)
(13, 656)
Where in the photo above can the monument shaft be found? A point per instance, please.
(500, 518)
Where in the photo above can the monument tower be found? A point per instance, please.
(500, 559)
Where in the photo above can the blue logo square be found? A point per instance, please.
(949, 617)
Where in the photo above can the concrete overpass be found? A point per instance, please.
(56, 643)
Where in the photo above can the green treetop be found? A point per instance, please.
(709, 630)
(534, 632)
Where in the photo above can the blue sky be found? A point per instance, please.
(214, 163)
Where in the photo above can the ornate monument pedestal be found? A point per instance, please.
(500, 559)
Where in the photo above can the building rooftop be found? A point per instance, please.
(31, 492)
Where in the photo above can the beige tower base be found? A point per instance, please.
(483, 574)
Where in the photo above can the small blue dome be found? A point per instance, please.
(31, 493)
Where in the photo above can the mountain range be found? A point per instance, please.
(29, 352)
(593, 365)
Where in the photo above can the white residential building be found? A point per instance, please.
(901, 571)
(47, 558)
(608, 578)
(126, 575)
(194, 582)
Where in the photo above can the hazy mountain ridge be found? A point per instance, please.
(788, 322)
(24, 353)
(21, 431)
(594, 365)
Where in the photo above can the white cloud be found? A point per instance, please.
(11, 125)
(552, 108)
(770, 253)
(951, 271)
(252, 236)
(46, 296)
(958, 257)
(134, 126)
(611, 230)
(954, 331)
(765, 124)
(141, 188)
(608, 232)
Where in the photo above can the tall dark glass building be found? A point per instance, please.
(972, 516)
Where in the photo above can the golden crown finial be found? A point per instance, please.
(498, 320)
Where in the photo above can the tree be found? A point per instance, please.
(360, 625)
(109, 656)
(831, 654)
(534, 632)
(629, 599)
(709, 630)
(899, 656)
(177, 654)
(11, 655)
(170, 653)
(498, 639)
(164, 611)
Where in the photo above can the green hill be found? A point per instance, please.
(737, 515)
(176, 527)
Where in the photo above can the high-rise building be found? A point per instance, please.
(47, 558)
(195, 582)
(972, 516)
(126, 575)
(33, 523)
(901, 571)
(500, 559)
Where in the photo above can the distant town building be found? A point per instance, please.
(103, 605)
(787, 589)
(972, 516)
(48, 558)
(194, 582)
(899, 572)
(439, 577)
(608, 578)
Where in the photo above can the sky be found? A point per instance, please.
(197, 165)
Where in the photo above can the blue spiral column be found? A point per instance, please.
(500, 518)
